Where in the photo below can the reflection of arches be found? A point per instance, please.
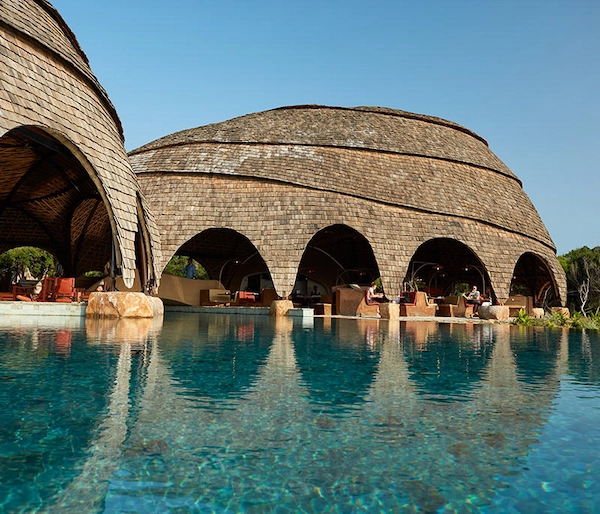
(51, 201)
(535, 353)
(532, 276)
(211, 360)
(225, 254)
(444, 262)
(338, 254)
(447, 368)
(37, 400)
(340, 370)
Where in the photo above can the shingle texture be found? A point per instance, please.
(45, 81)
(398, 178)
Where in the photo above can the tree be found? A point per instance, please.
(178, 262)
(39, 262)
(582, 267)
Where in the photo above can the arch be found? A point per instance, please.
(439, 264)
(50, 197)
(533, 277)
(226, 254)
(337, 254)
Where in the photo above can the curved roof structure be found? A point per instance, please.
(400, 179)
(419, 162)
(67, 184)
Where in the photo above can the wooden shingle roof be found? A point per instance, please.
(390, 156)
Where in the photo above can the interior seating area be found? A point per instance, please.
(50, 289)
(455, 306)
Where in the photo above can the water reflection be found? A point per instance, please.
(584, 357)
(357, 414)
(449, 361)
(135, 332)
(339, 368)
(209, 359)
(528, 342)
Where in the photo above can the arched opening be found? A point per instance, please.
(532, 277)
(48, 200)
(336, 255)
(444, 266)
(230, 258)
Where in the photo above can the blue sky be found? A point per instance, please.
(523, 74)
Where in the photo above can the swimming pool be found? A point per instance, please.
(213, 413)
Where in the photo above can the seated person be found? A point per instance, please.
(313, 296)
(474, 298)
(373, 298)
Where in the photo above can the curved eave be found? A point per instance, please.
(384, 189)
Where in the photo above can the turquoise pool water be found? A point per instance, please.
(209, 413)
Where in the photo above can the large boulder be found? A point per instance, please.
(118, 304)
(280, 307)
(499, 312)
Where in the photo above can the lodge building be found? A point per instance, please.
(287, 198)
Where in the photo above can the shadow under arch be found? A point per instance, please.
(337, 254)
(440, 264)
(532, 277)
(51, 200)
(226, 255)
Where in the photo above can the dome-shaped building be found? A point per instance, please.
(66, 184)
(331, 195)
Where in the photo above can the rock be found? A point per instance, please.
(280, 307)
(389, 310)
(117, 304)
(537, 312)
(562, 310)
(500, 312)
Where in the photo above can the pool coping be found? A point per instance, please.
(18, 308)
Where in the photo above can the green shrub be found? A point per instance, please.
(523, 319)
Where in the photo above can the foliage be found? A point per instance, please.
(461, 288)
(558, 319)
(582, 268)
(39, 262)
(523, 319)
(519, 289)
(178, 262)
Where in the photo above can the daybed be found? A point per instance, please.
(416, 304)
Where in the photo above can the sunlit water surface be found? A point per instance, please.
(212, 413)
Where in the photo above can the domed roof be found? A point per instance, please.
(372, 128)
(63, 141)
(40, 21)
(394, 157)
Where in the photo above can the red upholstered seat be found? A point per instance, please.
(64, 290)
